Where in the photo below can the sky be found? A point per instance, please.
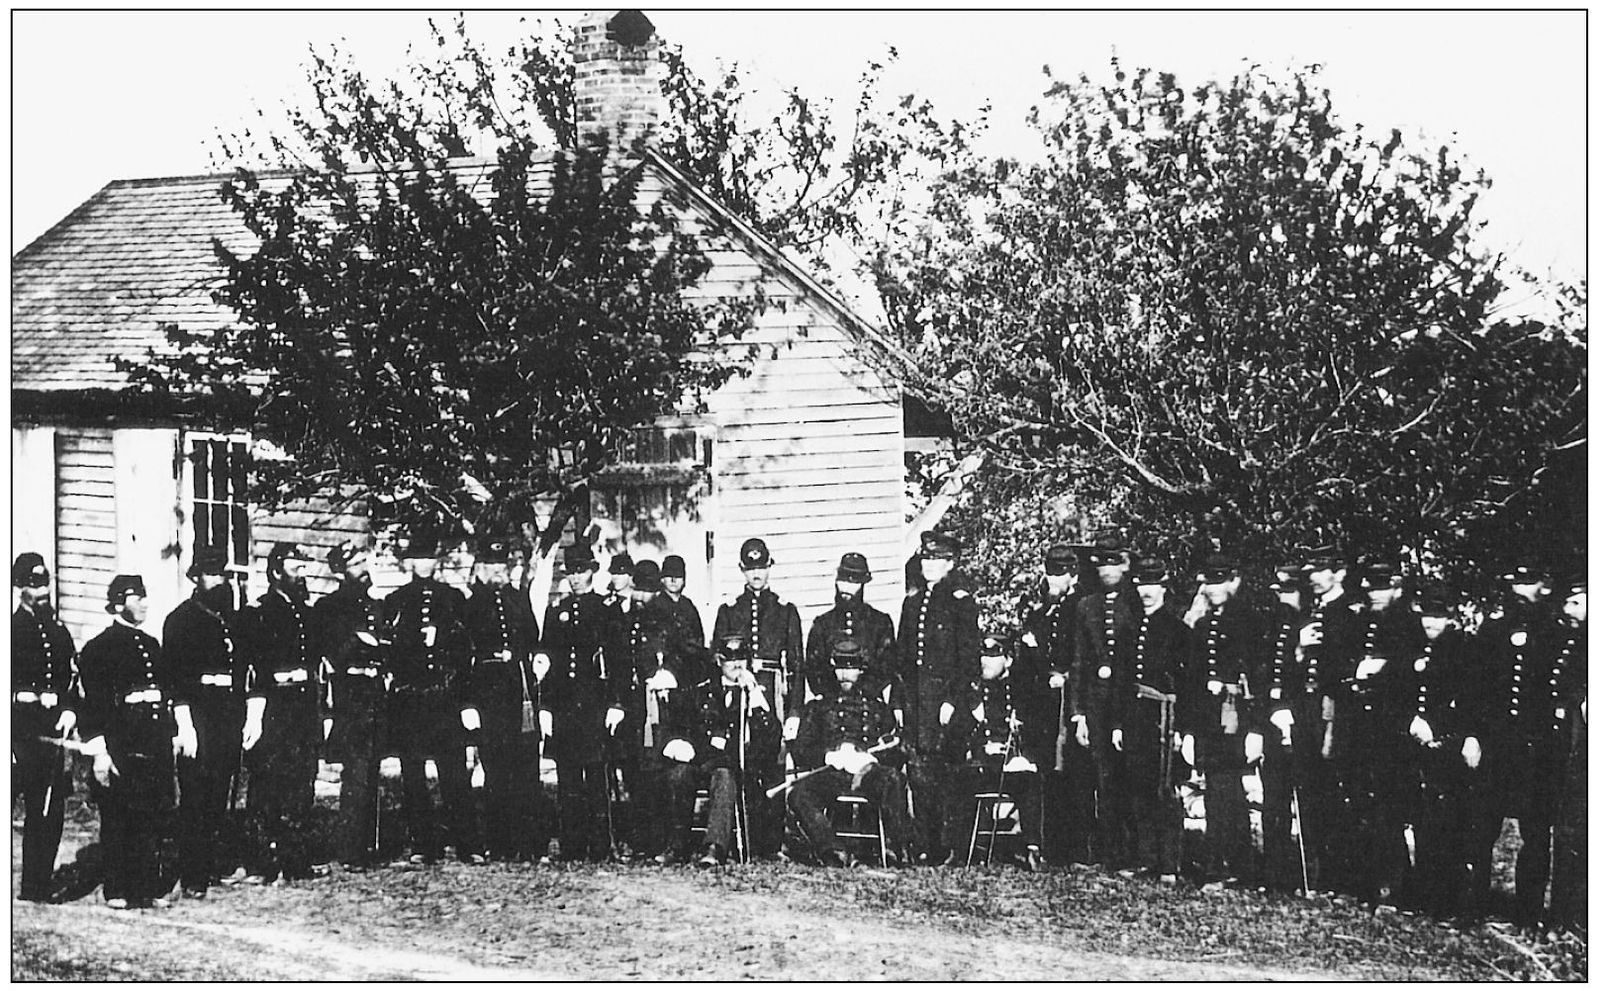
(105, 95)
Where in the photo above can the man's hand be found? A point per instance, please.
(1472, 753)
(995, 749)
(541, 664)
(1188, 749)
(717, 742)
(898, 717)
(1057, 680)
(185, 743)
(470, 718)
(1421, 730)
(1284, 719)
(1214, 686)
(65, 722)
(1368, 666)
(104, 769)
(1116, 739)
(329, 726)
(1310, 635)
(1253, 747)
(1082, 730)
(680, 751)
(790, 730)
(978, 712)
(251, 732)
(1029, 640)
(544, 720)
(945, 712)
(662, 680)
(613, 718)
(1019, 763)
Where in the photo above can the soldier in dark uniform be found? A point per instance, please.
(503, 639)
(1373, 712)
(1103, 634)
(850, 616)
(1215, 717)
(1440, 809)
(938, 645)
(1285, 687)
(579, 707)
(991, 753)
(1528, 673)
(348, 624)
(1327, 651)
(1569, 904)
(771, 627)
(838, 734)
(1151, 817)
(430, 706)
(733, 712)
(42, 705)
(650, 677)
(208, 666)
(128, 726)
(283, 728)
(688, 622)
(1043, 657)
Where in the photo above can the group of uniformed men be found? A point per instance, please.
(1362, 710)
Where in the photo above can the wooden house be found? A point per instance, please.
(807, 451)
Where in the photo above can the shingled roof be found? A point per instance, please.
(138, 255)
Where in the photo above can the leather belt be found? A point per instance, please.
(293, 677)
(143, 696)
(46, 699)
(218, 680)
(501, 657)
(363, 672)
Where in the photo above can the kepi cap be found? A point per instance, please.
(853, 568)
(674, 567)
(939, 545)
(754, 554)
(121, 588)
(29, 571)
(620, 564)
(1149, 571)
(578, 557)
(1060, 559)
(645, 576)
(847, 653)
(1218, 567)
(208, 561)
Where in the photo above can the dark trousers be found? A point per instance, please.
(1569, 902)
(1109, 772)
(284, 768)
(512, 770)
(132, 810)
(205, 781)
(429, 727)
(886, 789)
(1521, 778)
(1440, 815)
(928, 783)
(1283, 770)
(354, 741)
(1369, 850)
(684, 780)
(1079, 809)
(583, 812)
(1227, 810)
(40, 777)
(1024, 788)
(1148, 810)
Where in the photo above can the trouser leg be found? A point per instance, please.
(889, 789)
(42, 778)
(457, 789)
(721, 828)
(809, 798)
(966, 781)
(928, 779)
(1025, 789)
(1227, 812)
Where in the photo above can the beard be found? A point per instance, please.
(295, 590)
(220, 599)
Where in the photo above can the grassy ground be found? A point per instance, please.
(758, 921)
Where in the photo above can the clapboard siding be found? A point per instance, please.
(86, 527)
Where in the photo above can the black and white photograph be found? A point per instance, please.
(798, 495)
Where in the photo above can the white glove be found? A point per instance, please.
(1368, 667)
(717, 742)
(855, 761)
(1019, 763)
(1116, 738)
(1082, 730)
(66, 721)
(1253, 747)
(185, 743)
(1029, 639)
(1188, 749)
(978, 712)
(1284, 719)
(470, 718)
(1057, 680)
(1214, 687)
(756, 699)
(104, 769)
(544, 720)
(898, 717)
(613, 718)
(329, 726)
(1420, 729)
(1310, 635)
(1472, 753)
(662, 681)
(994, 749)
(945, 712)
(252, 731)
(679, 750)
(542, 664)
(790, 730)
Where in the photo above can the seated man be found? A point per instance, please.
(986, 740)
(840, 737)
(730, 708)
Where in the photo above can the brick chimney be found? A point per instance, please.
(618, 99)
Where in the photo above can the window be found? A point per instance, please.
(219, 466)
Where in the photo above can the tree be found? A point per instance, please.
(406, 338)
(1219, 316)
